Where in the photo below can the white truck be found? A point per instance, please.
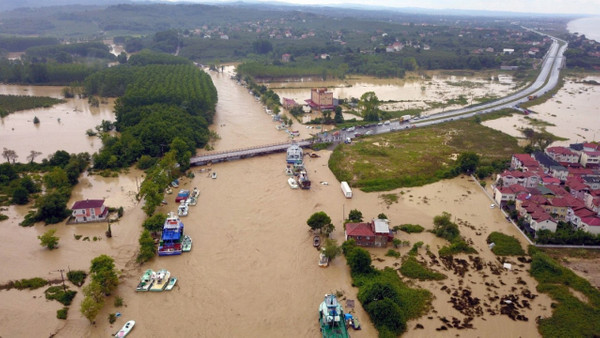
(405, 118)
(346, 189)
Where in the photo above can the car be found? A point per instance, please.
(369, 132)
(380, 124)
(351, 129)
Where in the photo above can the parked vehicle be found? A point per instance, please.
(346, 189)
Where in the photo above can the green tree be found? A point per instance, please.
(182, 152)
(382, 216)
(122, 58)
(48, 239)
(147, 247)
(154, 223)
(318, 220)
(369, 106)
(20, 196)
(359, 261)
(467, 162)
(338, 117)
(103, 272)
(331, 249)
(445, 228)
(90, 308)
(56, 178)
(52, 208)
(387, 314)
(355, 216)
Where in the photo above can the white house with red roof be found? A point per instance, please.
(528, 179)
(505, 194)
(591, 224)
(590, 159)
(562, 155)
(524, 162)
(372, 234)
(89, 211)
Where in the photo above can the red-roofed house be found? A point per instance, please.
(591, 146)
(592, 200)
(89, 211)
(579, 214)
(591, 224)
(289, 103)
(562, 155)
(503, 195)
(542, 221)
(549, 180)
(590, 159)
(528, 179)
(523, 161)
(577, 188)
(372, 234)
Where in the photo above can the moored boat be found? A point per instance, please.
(323, 260)
(331, 318)
(213, 175)
(182, 195)
(183, 209)
(172, 235)
(186, 244)
(316, 241)
(171, 283)
(125, 329)
(303, 180)
(160, 280)
(145, 281)
(292, 182)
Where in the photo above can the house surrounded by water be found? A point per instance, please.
(89, 211)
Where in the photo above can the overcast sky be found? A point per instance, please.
(586, 7)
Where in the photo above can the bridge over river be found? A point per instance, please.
(237, 154)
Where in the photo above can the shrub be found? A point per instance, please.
(505, 245)
(62, 313)
(31, 284)
(147, 247)
(415, 249)
(77, 237)
(48, 239)
(459, 246)
(112, 318)
(411, 268)
(118, 301)
(58, 293)
(410, 228)
(392, 253)
(76, 277)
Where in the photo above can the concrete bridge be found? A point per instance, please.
(237, 154)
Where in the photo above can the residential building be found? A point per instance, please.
(321, 98)
(89, 211)
(590, 159)
(550, 166)
(372, 234)
(528, 179)
(286, 57)
(562, 155)
(524, 162)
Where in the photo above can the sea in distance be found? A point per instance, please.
(588, 26)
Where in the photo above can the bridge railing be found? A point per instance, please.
(250, 148)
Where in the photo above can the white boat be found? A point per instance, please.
(186, 244)
(193, 200)
(146, 281)
(195, 192)
(323, 260)
(292, 182)
(183, 209)
(125, 329)
(171, 283)
(213, 175)
(160, 280)
(289, 171)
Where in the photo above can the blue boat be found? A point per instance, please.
(172, 236)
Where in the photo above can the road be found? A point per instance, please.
(546, 80)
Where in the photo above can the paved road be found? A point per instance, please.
(546, 80)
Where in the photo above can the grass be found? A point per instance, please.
(31, 284)
(571, 317)
(505, 245)
(393, 253)
(418, 156)
(62, 313)
(59, 294)
(389, 199)
(412, 268)
(76, 277)
(411, 228)
(12, 103)
(459, 246)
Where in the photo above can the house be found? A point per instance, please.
(524, 162)
(590, 159)
(591, 224)
(89, 211)
(372, 234)
(321, 98)
(562, 155)
(286, 57)
(551, 166)
(505, 194)
(289, 103)
(528, 179)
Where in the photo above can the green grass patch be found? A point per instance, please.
(538, 123)
(415, 248)
(411, 228)
(76, 277)
(571, 317)
(12, 103)
(58, 293)
(418, 156)
(505, 245)
(3, 217)
(393, 253)
(389, 199)
(31, 284)
(62, 313)
(459, 246)
(412, 268)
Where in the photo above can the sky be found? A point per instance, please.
(585, 7)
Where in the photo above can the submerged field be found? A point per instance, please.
(418, 156)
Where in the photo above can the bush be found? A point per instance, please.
(505, 245)
(112, 318)
(457, 247)
(415, 249)
(147, 247)
(118, 301)
(48, 239)
(393, 253)
(58, 293)
(76, 277)
(411, 268)
(31, 284)
(445, 228)
(62, 313)
(410, 228)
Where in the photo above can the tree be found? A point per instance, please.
(318, 220)
(338, 117)
(445, 228)
(103, 272)
(369, 105)
(48, 239)
(20, 196)
(52, 208)
(56, 178)
(355, 216)
(147, 247)
(382, 216)
(10, 155)
(31, 157)
(154, 223)
(90, 308)
(467, 162)
(359, 261)
(122, 58)
(331, 249)
(36, 120)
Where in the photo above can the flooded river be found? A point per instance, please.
(252, 271)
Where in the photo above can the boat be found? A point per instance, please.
(292, 182)
(124, 331)
(171, 284)
(193, 200)
(145, 281)
(213, 175)
(323, 260)
(183, 209)
(169, 190)
(182, 195)
(303, 180)
(331, 318)
(289, 171)
(172, 235)
(195, 192)
(175, 183)
(161, 278)
(352, 321)
(317, 241)
(186, 244)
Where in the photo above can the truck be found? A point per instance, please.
(532, 97)
(346, 189)
(405, 118)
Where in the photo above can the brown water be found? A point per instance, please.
(252, 270)
(61, 127)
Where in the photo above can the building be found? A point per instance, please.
(286, 57)
(320, 98)
(562, 155)
(528, 179)
(523, 162)
(590, 159)
(289, 103)
(372, 234)
(89, 211)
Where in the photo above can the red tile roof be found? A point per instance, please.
(359, 229)
(527, 160)
(559, 150)
(591, 221)
(87, 204)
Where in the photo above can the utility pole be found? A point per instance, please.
(62, 277)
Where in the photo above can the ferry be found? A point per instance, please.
(331, 318)
(172, 235)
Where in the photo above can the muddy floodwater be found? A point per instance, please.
(61, 127)
(252, 271)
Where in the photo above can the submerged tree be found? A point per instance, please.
(318, 220)
(48, 239)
